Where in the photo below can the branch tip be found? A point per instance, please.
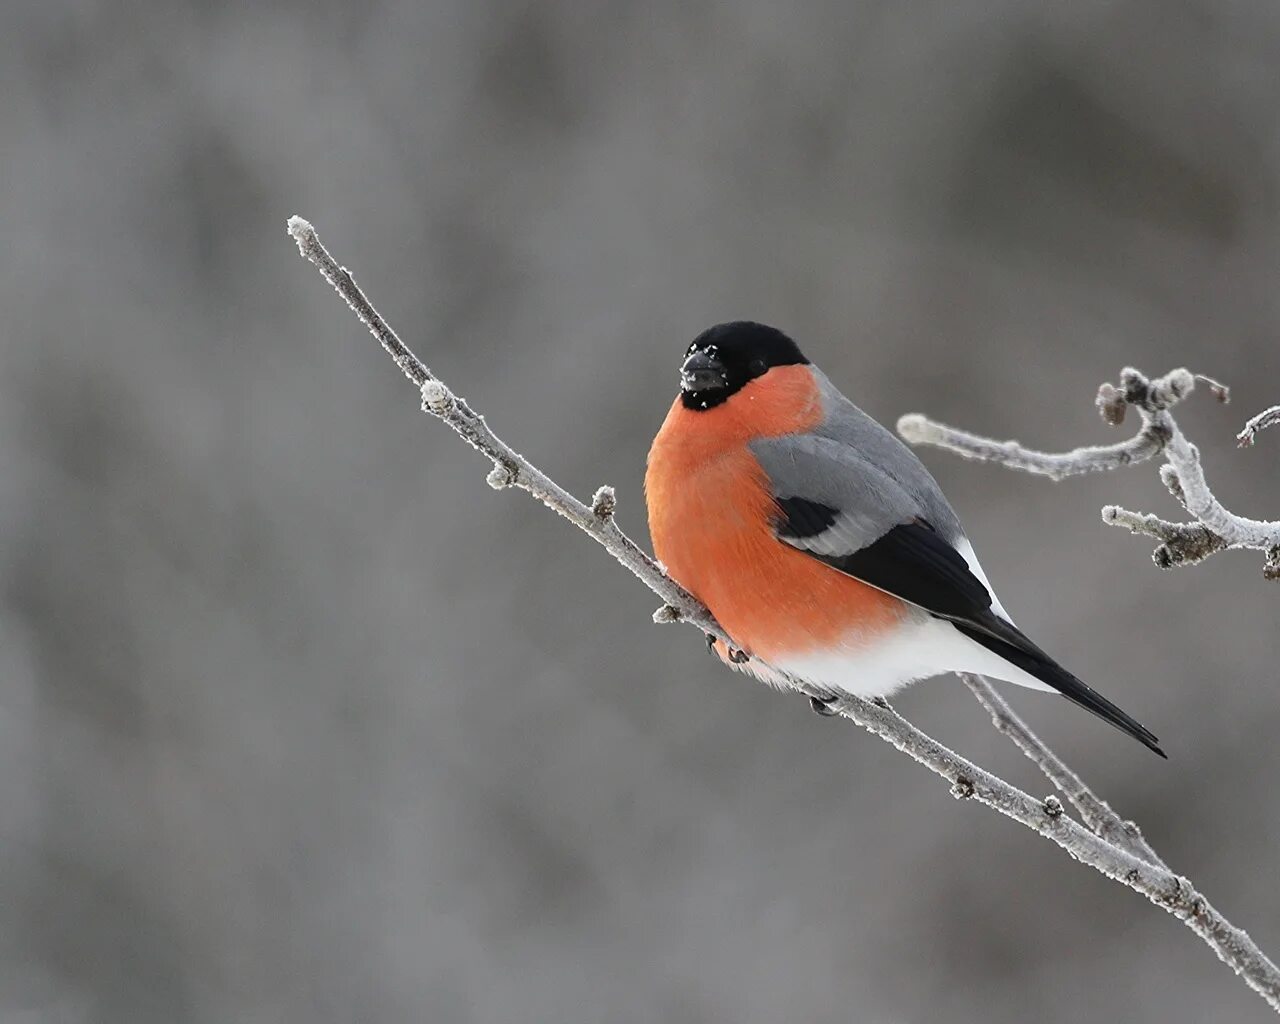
(1149, 395)
(304, 234)
(667, 613)
(1138, 522)
(1134, 384)
(1174, 386)
(1266, 418)
(916, 428)
(1220, 391)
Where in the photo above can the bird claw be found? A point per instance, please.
(823, 707)
(735, 656)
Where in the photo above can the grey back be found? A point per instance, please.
(852, 464)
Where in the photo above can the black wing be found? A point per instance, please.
(914, 563)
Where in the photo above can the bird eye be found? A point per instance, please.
(756, 367)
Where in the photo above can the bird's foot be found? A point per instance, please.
(732, 654)
(823, 707)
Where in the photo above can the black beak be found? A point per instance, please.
(702, 372)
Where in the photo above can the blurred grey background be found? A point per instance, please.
(300, 721)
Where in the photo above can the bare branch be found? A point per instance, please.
(920, 429)
(1237, 531)
(1180, 543)
(1266, 418)
(1214, 529)
(1217, 389)
(510, 468)
(967, 781)
(1095, 811)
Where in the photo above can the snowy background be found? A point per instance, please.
(300, 721)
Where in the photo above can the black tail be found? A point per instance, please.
(1010, 643)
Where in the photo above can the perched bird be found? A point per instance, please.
(818, 540)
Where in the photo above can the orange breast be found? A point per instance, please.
(711, 517)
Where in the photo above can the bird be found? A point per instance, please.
(820, 542)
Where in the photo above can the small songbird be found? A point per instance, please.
(818, 540)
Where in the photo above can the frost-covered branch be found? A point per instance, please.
(967, 781)
(1266, 418)
(1056, 465)
(1180, 543)
(1095, 811)
(510, 469)
(1213, 528)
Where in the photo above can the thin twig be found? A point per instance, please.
(1095, 811)
(1180, 543)
(510, 469)
(1214, 528)
(1266, 418)
(1143, 445)
(1172, 892)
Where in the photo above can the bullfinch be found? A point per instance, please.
(818, 540)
